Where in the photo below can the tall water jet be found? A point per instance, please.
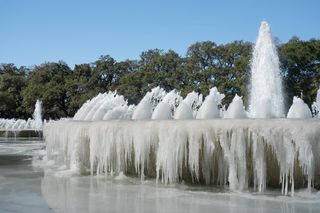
(37, 115)
(266, 98)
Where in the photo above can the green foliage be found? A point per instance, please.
(206, 64)
(300, 62)
(47, 83)
(223, 66)
(12, 81)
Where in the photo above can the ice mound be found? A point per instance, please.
(188, 108)
(162, 111)
(209, 109)
(236, 109)
(167, 107)
(104, 107)
(299, 109)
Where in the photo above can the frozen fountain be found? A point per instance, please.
(23, 128)
(173, 139)
(299, 109)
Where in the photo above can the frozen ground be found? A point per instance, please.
(20, 182)
(25, 187)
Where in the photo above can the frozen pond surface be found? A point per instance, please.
(20, 182)
(25, 187)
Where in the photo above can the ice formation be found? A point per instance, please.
(236, 109)
(210, 107)
(238, 153)
(299, 109)
(266, 98)
(187, 109)
(167, 107)
(106, 106)
(146, 106)
(19, 124)
(162, 112)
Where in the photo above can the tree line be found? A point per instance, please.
(63, 90)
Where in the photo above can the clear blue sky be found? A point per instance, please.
(78, 31)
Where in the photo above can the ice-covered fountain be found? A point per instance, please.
(20, 127)
(175, 139)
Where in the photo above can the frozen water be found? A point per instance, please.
(210, 107)
(184, 111)
(299, 109)
(266, 98)
(26, 188)
(188, 108)
(107, 106)
(167, 107)
(162, 111)
(146, 106)
(236, 109)
(238, 153)
(143, 111)
(101, 194)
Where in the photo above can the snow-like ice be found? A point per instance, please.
(210, 107)
(237, 152)
(299, 109)
(236, 109)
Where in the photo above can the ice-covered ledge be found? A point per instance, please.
(235, 152)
